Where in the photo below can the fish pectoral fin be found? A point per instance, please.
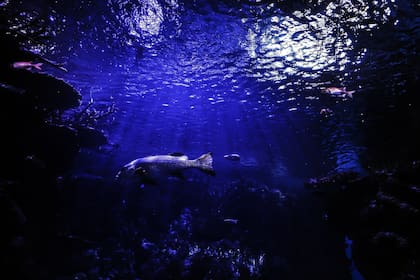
(179, 175)
(149, 181)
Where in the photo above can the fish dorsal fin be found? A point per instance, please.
(181, 156)
(177, 154)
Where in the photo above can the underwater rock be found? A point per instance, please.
(45, 91)
(16, 109)
(337, 178)
(409, 172)
(90, 137)
(400, 206)
(11, 48)
(13, 130)
(413, 192)
(385, 255)
(12, 89)
(53, 145)
(268, 211)
(389, 239)
(91, 206)
(56, 145)
(380, 212)
(86, 179)
(34, 163)
(174, 254)
(12, 217)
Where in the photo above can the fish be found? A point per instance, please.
(339, 92)
(231, 221)
(27, 65)
(233, 157)
(326, 112)
(151, 169)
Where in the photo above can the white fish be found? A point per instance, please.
(152, 168)
(339, 92)
(231, 221)
(27, 65)
(233, 157)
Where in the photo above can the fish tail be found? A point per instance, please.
(350, 93)
(205, 164)
(37, 66)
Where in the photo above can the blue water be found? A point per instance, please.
(240, 77)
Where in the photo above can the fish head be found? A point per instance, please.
(132, 170)
(141, 171)
(126, 171)
(327, 90)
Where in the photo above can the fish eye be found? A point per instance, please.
(140, 171)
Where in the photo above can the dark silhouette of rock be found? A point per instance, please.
(12, 217)
(90, 137)
(56, 145)
(380, 212)
(44, 91)
(38, 147)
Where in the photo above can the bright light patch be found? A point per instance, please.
(308, 44)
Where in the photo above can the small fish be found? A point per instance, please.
(27, 65)
(326, 112)
(146, 244)
(150, 169)
(339, 92)
(231, 221)
(233, 157)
